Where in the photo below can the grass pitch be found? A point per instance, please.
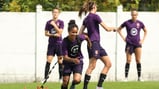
(92, 85)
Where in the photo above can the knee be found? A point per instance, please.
(49, 60)
(138, 61)
(60, 60)
(77, 81)
(128, 61)
(109, 65)
(92, 67)
(65, 82)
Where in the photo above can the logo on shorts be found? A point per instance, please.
(133, 31)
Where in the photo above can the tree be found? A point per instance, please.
(74, 5)
(1, 4)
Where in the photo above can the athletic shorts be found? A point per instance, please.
(72, 68)
(54, 49)
(131, 48)
(96, 50)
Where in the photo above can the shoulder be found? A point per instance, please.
(81, 37)
(47, 25)
(65, 39)
(96, 16)
(139, 21)
(93, 15)
(61, 21)
(127, 22)
(49, 21)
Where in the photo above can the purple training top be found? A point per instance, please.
(133, 31)
(50, 28)
(73, 49)
(91, 22)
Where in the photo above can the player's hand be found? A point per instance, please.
(141, 42)
(90, 45)
(53, 23)
(76, 60)
(114, 29)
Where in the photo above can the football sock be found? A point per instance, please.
(47, 68)
(101, 80)
(74, 82)
(127, 65)
(139, 69)
(86, 81)
(60, 71)
(63, 87)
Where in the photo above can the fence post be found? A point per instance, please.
(119, 11)
(38, 11)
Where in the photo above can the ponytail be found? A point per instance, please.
(83, 9)
(87, 6)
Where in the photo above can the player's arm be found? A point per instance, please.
(82, 30)
(69, 59)
(120, 33)
(88, 40)
(144, 36)
(107, 28)
(47, 33)
(57, 29)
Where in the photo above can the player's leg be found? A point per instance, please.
(93, 55)
(107, 66)
(65, 82)
(91, 66)
(128, 50)
(50, 56)
(138, 61)
(60, 59)
(76, 80)
(127, 64)
(66, 76)
(47, 66)
(60, 67)
(77, 72)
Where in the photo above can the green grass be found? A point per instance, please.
(92, 85)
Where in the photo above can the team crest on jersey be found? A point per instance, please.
(137, 25)
(58, 24)
(134, 31)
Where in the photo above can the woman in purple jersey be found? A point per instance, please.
(92, 22)
(72, 56)
(133, 41)
(53, 30)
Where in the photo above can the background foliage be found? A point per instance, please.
(74, 5)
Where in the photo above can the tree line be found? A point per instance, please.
(74, 5)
